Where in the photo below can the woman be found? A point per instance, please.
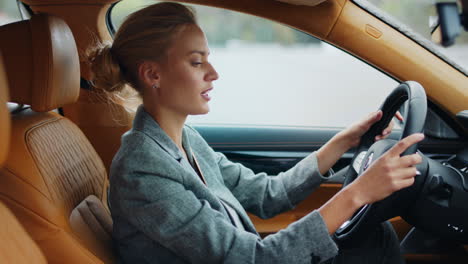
(174, 200)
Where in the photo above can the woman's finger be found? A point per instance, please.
(399, 116)
(388, 129)
(385, 132)
(410, 160)
(405, 143)
(406, 173)
(374, 117)
(404, 183)
(368, 121)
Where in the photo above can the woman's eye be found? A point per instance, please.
(197, 63)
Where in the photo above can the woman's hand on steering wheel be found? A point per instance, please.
(389, 173)
(386, 132)
(353, 133)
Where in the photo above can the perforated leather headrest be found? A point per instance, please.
(41, 62)
(4, 115)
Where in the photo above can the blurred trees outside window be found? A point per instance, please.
(222, 26)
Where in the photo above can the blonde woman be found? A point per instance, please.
(175, 200)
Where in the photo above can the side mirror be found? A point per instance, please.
(449, 24)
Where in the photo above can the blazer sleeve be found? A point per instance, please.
(265, 195)
(175, 218)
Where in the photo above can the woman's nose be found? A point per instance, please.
(212, 74)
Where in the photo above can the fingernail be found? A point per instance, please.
(418, 172)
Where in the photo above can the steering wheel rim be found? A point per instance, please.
(414, 118)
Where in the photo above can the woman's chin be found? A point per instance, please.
(202, 111)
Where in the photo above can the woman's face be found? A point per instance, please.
(186, 76)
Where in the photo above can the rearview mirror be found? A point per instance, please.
(449, 24)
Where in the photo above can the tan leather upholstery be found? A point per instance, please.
(4, 115)
(43, 74)
(92, 220)
(51, 167)
(16, 246)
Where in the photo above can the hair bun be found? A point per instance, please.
(106, 70)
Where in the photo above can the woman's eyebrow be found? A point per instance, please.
(201, 52)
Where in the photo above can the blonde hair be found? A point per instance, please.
(144, 36)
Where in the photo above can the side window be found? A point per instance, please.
(9, 12)
(271, 74)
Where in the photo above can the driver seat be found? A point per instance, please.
(16, 245)
(53, 180)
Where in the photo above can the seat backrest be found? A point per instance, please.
(16, 246)
(4, 116)
(52, 168)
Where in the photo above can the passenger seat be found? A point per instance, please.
(53, 180)
(16, 246)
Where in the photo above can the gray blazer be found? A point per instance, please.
(164, 213)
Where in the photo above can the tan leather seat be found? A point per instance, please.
(4, 115)
(16, 246)
(53, 180)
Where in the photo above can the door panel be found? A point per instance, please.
(268, 149)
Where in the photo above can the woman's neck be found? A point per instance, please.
(171, 122)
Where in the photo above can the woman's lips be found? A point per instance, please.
(205, 94)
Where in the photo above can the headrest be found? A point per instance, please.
(41, 62)
(4, 116)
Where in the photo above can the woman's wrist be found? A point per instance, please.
(355, 195)
(346, 141)
(340, 208)
(329, 153)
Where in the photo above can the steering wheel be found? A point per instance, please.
(369, 216)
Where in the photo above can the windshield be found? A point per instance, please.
(419, 17)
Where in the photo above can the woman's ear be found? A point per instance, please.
(148, 73)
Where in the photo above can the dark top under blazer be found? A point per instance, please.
(164, 213)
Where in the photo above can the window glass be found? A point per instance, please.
(271, 74)
(9, 12)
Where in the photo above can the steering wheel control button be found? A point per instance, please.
(368, 162)
(455, 228)
(358, 161)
